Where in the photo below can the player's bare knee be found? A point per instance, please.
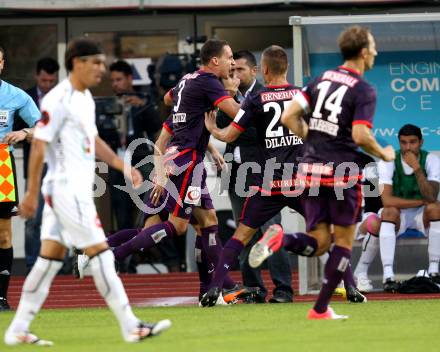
(323, 247)
(391, 214)
(244, 234)
(209, 218)
(432, 210)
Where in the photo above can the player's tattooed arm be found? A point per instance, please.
(292, 119)
(227, 134)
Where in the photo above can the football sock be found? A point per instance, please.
(6, 258)
(145, 239)
(212, 247)
(34, 292)
(348, 277)
(387, 242)
(111, 289)
(434, 246)
(370, 247)
(300, 243)
(337, 263)
(203, 266)
(228, 259)
(121, 237)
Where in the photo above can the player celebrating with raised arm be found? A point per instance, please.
(194, 94)
(341, 105)
(68, 132)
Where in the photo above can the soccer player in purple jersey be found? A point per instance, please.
(156, 212)
(195, 94)
(276, 145)
(341, 105)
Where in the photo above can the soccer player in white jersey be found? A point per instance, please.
(68, 132)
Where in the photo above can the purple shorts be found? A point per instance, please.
(327, 208)
(186, 188)
(260, 208)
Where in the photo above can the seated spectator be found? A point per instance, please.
(410, 190)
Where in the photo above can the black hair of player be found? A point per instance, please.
(80, 47)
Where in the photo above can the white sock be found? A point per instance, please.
(34, 293)
(387, 241)
(370, 247)
(111, 289)
(434, 246)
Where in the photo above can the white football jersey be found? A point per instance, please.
(68, 126)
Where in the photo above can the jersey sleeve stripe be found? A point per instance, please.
(363, 122)
(168, 128)
(170, 93)
(237, 126)
(219, 100)
(303, 100)
(306, 96)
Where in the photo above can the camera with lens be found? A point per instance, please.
(109, 117)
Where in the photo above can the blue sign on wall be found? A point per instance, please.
(408, 91)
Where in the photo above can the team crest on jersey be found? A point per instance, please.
(193, 195)
(44, 120)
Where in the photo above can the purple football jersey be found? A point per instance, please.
(195, 94)
(263, 111)
(338, 99)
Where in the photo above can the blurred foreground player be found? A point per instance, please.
(341, 105)
(68, 131)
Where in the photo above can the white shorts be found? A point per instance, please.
(412, 218)
(72, 222)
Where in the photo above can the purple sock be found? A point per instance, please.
(203, 266)
(300, 243)
(335, 267)
(212, 247)
(228, 259)
(146, 239)
(121, 237)
(348, 277)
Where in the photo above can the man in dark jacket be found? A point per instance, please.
(243, 150)
(46, 77)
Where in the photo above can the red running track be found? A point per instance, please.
(155, 290)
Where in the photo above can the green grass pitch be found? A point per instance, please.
(376, 326)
